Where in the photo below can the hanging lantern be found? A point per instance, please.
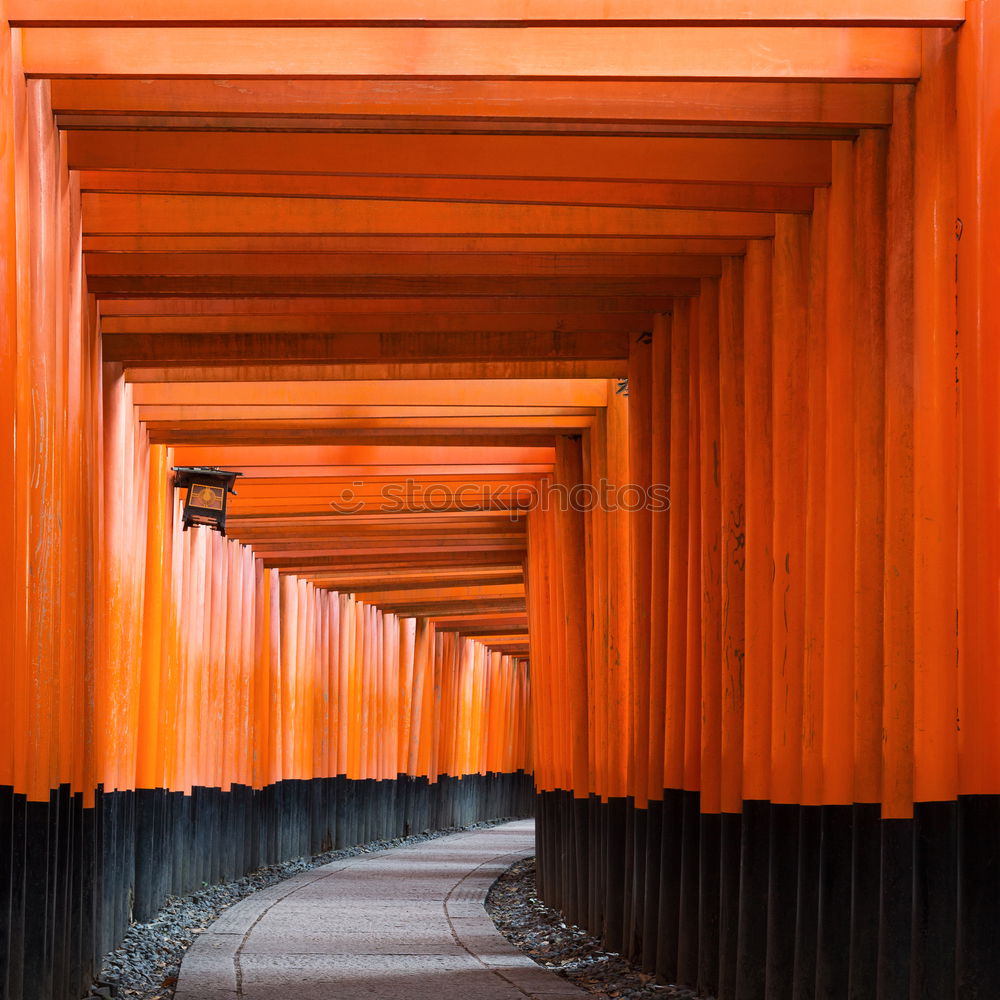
(208, 490)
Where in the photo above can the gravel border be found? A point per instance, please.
(569, 951)
(146, 964)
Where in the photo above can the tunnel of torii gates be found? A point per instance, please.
(459, 289)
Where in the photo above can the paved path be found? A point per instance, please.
(405, 924)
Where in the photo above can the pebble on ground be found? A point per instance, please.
(569, 951)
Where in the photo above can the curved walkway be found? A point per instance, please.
(403, 924)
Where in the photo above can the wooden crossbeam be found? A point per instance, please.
(480, 373)
(402, 598)
(520, 392)
(495, 101)
(422, 322)
(472, 521)
(348, 527)
(368, 243)
(361, 472)
(609, 194)
(670, 159)
(375, 416)
(255, 286)
(295, 266)
(241, 434)
(262, 125)
(124, 214)
(199, 348)
(419, 579)
(657, 53)
(639, 13)
(315, 566)
(265, 455)
(376, 429)
(316, 310)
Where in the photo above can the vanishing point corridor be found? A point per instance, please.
(420, 412)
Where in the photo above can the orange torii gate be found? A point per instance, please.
(465, 295)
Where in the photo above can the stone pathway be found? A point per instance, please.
(404, 924)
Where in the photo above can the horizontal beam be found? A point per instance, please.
(201, 348)
(665, 159)
(303, 565)
(672, 159)
(491, 635)
(352, 528)
(241, 434)
(294, 489)
(519, 392)
(421, 322)
(327, 566)
(288, 558)
(472, 521)
(397, 472)
(386, 431)
(639, 101)
(421, 579)
(124, 214)
(319, 482)
(223, 310)
(374, 428)
(492, 620)
(418, 541)
(657, 53)
(260, 286)
(511, 503)
(432, 608)
(375, 455)
(447, 587)
(339, 125)
(644, 13)
(394, 502)
(478, 373)
(335, 540)
(400, 598)
(296, 266)
(367, 243)
(347, 584)
(609, 194)
(375, 416)
(424, 562)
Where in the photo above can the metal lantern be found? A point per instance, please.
(208, 489)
